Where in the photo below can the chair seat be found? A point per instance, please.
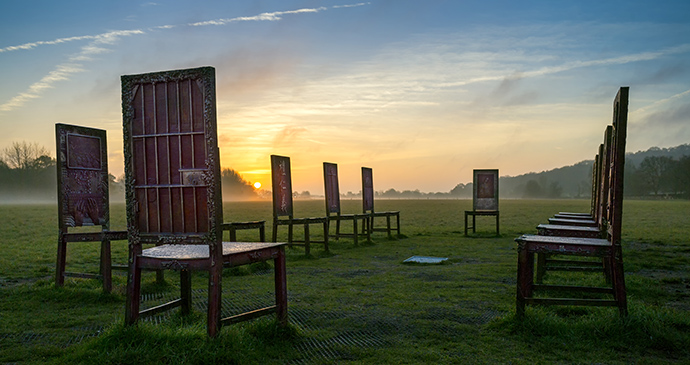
(576, 214)
(574, 222)
(568, 231)
(573, 216)
(564, 245)
(195, 252)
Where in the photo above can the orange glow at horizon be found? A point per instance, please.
(257, 185)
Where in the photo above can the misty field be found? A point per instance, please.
(355, 304)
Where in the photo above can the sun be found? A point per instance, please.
(257, 185)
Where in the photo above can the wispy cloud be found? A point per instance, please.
(96, 46)
(73, 65)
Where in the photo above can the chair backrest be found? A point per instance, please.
(172, 162)
(82, 177)
(617, 164)
(281, 181)
(602, 214)
(332, 189)
(485, 190)
(594, 202)
(367, 190)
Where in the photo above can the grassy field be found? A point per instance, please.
(356, 304)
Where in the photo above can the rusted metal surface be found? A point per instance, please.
(281, 179)
(172, 170)
(83, 196)
(609, 249)
(368, 207)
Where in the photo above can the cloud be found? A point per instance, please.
(288, 135)
(65, 70)
(96, 46)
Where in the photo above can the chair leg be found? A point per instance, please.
(397, 222)
(133, 293)
(274, 234)
(325, 235)
(185, 291)
(525, 274)
(262, 233)
(106, 268)
(214, 299)
(388, 226)
(307, 239)
(354, 231)
(61, 261)
(281, 288)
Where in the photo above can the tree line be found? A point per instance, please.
(28, 172)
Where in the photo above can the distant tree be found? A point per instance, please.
(462, 190)
(555, 190)
(533, 190)
(655, 171)
(24, 155)
(235, 187)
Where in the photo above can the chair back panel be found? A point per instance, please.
(367, 190)
(82, 176)
(332, 190)
(281, 181)
(617, 163)
(485, 190)
(171, 156)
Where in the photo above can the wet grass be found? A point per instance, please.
(357, 304)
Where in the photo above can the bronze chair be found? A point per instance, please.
(484, 198)
(281, 180)
(368, 207)
(608, 249)
(333, 212)
(173, 193)
(83, 197)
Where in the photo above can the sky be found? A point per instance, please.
(423, 92)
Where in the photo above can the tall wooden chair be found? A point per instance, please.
(281, 179)
(173, 193)
(83, 197)
(608, 249)
(484, 198)
(368, 207)
(333, 212)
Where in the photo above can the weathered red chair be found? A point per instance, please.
(83, 197)
(608, 249)
(333, 212)
(368, 207)
(281, 179)
(484, 198)
(172, 170)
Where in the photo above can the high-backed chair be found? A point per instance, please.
(608, 249)
(281, 179)
(484, 198)
(172, 168)
(368, 207)
(83, 197)
(333, 212)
